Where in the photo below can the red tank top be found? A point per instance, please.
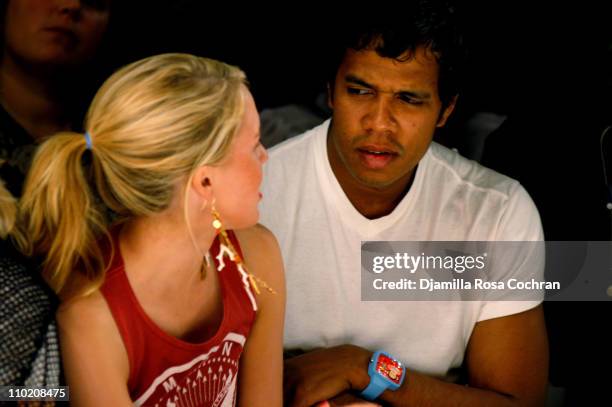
(166, 371)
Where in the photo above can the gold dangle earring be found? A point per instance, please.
(216, 223)
(203, 268)
(227, 246)
(206, 260)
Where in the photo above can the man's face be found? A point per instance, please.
(384, 116)
(55, 32)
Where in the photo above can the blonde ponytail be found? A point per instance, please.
(59, 215)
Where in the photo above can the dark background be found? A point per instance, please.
(521, 53)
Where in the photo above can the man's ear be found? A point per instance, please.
(201, 182)
(447, 111)
(330, 96)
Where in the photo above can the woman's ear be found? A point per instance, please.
(201, 182)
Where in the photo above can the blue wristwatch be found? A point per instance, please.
(385, 372)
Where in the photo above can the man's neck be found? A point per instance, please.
(371, 202)
(33, 101)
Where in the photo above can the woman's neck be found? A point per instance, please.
(157, 248)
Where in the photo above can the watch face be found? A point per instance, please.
(389, 368)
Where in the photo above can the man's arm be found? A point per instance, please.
(506, 358)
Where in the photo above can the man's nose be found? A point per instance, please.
(380, 118)
(71, 8)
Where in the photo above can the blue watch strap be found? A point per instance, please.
(376, 387)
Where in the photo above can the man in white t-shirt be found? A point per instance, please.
(372, 172)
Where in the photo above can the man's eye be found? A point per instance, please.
(358, 91)
(410, 100)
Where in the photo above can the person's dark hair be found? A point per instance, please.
(432, 24)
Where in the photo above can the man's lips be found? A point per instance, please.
(375, 157)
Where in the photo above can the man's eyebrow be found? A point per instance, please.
(408, 93)
(356, 81)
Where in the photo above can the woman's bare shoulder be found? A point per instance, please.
(262, 255)
(87, 316)
(257, 236)
(89, 335)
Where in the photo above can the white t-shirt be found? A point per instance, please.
(320, 234)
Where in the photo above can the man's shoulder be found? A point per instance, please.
(500, 205)
(291, 173)
(466, 173)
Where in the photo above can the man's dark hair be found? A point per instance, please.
(432, 24)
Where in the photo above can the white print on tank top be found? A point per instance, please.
(223, 251)
(207, 380)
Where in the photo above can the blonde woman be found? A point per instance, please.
(160, 307)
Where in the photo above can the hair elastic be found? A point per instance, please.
(88, 142)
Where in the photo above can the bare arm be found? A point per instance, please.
(95, 360)
(507, 361)
(261, 365)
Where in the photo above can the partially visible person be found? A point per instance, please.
(29, 349)
(160, 307)
(47, 49)
(372, 173)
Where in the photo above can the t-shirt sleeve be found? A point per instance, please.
(518, 258)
